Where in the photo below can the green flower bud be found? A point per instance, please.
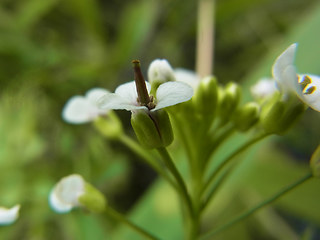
(270, 118)
(153, 129)
(109, 125)
(278, 117)
(315, 162)
(92, 199)
(206, 97)
(229, 101)
(247, 116)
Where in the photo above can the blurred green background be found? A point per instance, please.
(51, 50)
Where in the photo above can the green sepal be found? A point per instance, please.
(246, 116)
(279, 116)
(153, 129)
(92, 199)
(163, 123)
(109, 125)
(315, 162)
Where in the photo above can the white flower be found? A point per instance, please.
(188, 77)
(125, 96)
(83, 109)
(9, 215)
(160, 71)
(65, 194)
(306, 86)
(265, 87)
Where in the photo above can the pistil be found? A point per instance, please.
(143, 96)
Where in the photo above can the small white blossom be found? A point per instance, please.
(9, 215)
(167, 94)
(83, 109)
(160, 71)
(265, 87)
(306, 86)
(65, 194)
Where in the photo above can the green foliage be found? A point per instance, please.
(51, 50)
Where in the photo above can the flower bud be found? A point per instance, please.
(279, 115)
(229, 100)
(206, 97)
(109, 125)
(72, 191)
(153, 129)
(9, 215)
(159, 72)
(247, 116)
(315, 162)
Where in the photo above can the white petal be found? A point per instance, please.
(128, 91)
(9, 215)
(95, 93)
(78, 110)
(160, 71)
(283, 69)
(311, 98)
(115, 101)
(187, 76)
(66, 192)
(172, 93)
(57, 205)
(263, 88)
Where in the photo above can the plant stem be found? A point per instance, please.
(182, 186)
(257, 207)
(205, 37)
(230, 157)
(148, 158)
(121, 218)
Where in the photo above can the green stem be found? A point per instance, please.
(120, 218)
(257, 207)
(182, 186)
(230, 157)
(217, 184)
(148, 158)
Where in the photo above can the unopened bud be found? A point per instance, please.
(159, 72)
(153, 129)
(229, 101)
(206, 97)
(247, 116)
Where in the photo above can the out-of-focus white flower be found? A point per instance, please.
(9, 215)
(265, 87)
(188, 77)
(160, 71)
(66, 193)
(83, 109)
(306, 86)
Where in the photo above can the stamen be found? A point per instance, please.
(309, 90)
(305, 81)
(142, 91)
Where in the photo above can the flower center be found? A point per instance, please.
(143, 97)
